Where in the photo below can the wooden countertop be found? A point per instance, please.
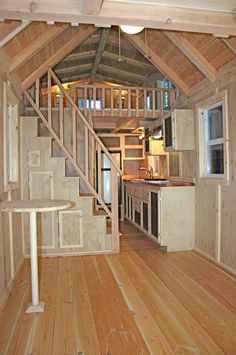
(158, 184)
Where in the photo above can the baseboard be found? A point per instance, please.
(229, 270)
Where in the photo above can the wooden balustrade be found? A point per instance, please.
(78, 122)
(104, 100)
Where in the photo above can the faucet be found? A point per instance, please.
(148, 170)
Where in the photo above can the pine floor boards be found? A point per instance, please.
(141, 301)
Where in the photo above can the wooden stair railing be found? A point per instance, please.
(72, 154)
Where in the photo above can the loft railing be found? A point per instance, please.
(80, 144)
(119, 101)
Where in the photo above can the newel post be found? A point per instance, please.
(114, 211)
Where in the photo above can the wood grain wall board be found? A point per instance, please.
(223, 58)
(205, 218)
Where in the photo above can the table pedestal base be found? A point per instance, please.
(38, 308)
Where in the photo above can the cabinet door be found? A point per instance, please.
(70, 229)
(154, 214)
(145, 216)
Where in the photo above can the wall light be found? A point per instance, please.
(131, 30)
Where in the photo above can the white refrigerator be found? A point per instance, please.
(106, 175)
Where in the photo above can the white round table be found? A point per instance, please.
(32, 207)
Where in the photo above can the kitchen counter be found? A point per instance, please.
(158, 184)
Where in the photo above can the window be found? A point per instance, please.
(213, 138)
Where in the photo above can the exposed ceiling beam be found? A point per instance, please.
(13, 33)
(152, 79)
(135, 62)
(83, 33)
(231, 43)
(123, 123)
(90, 7)
(158, 62)
(101, 47)
(127, 13)
(80, 55)
(35, 46)
(192, 54)
(73, 69)
(120, 72)
(118, 81)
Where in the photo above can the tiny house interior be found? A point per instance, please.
(138, 132)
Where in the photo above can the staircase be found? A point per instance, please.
(75, 138)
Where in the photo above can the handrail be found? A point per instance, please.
(75, 107)
(65, 150)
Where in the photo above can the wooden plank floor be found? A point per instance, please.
(141, 301)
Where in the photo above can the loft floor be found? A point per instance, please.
(142, 301)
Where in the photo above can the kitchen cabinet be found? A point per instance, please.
(167, 213)
(179, 130)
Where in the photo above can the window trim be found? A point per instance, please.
(220, 98)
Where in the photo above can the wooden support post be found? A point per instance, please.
(74, 135)
(61, 118)
(85, 100)
(129, 102)
(145, 103)
(103, 101)
(86, 143)
(153, 103)
(114, 211)
(112, 101)
(137, 102)
(49, 99)
(37, 92)
(120, 102)
(99, 167)
(94, 100)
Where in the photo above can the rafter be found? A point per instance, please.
(83, 33)
(13, 33)
(158, 62)
(121, 12)
(90, 7)
(231, 43)
(34, 47)
(101, 47)
(192, 54)
(74, 68)
(120, 72)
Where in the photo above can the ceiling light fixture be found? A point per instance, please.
(131, 30)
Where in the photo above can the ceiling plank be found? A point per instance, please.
(128, 60)
(36, 45)
(231, 43)
(83, 33)
(158, 62)
(126, 13)
(13, 33)
(7, 27)
(90, 7)
(192, 54)
(120, 72)
(123, 123)
(74, 68)
(100, 50)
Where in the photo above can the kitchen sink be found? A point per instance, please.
(157, 180)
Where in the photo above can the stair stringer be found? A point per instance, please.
(95, 239)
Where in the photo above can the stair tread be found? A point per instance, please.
(99, 213)
(86, 194)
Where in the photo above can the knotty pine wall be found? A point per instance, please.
(212, 212)
(7, 272)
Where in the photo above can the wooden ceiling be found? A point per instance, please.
(91, 53)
